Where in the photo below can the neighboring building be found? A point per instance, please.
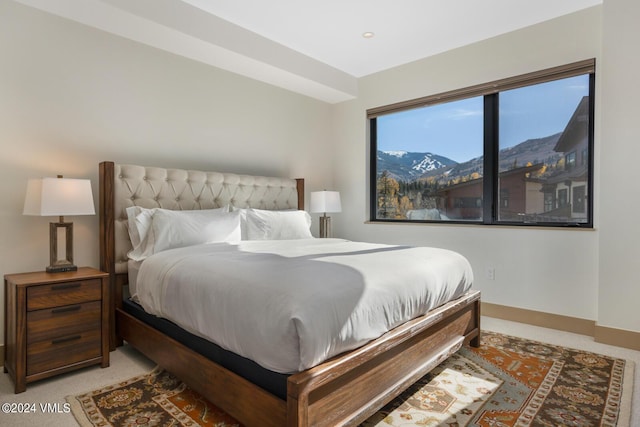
(529, 193)
(565, 192)
(520, 195)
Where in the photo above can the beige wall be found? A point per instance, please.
(579, 274)
(619, 253)
(71, 96)
(553, 271)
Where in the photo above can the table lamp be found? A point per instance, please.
(59, 197)
(325, 201)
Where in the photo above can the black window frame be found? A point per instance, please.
(490, 92)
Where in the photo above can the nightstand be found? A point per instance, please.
(55, 323)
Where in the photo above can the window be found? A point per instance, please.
(570, 160)
(516, 152)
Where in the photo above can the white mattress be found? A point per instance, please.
(291, 304)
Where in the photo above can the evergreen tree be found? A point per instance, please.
(387, 189)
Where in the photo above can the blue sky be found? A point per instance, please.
(454, 129)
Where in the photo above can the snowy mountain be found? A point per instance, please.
(406, 166)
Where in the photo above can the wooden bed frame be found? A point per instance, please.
(344, 390)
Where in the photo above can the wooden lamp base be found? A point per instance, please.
(66, 264)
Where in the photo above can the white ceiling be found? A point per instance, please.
(314, 48)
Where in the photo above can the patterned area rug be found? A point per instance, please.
(508, 381)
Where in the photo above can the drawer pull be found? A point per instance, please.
(66, 339)
(65, 286)
(65, 309)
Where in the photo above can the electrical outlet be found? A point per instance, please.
(491, 273)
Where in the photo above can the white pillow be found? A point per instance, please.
(277, 225)
(243, 221)
(175, 229)
(134, 233)
(139, 220)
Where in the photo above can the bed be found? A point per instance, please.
(344, 389)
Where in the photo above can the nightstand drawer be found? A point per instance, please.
(59, 294)
(63, 351)
(62, 321)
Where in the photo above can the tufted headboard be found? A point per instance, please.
(122, 186)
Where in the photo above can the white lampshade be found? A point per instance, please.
(58, 197)
(325, 201)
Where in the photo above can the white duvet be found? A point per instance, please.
(291, 304)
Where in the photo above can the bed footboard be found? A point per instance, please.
(347, 390)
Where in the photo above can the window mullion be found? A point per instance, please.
(373, 169)
(490, 181)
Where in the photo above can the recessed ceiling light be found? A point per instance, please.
(368, 35)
